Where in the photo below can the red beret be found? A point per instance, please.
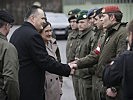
(110, 9)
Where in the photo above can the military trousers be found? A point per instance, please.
(98, 90)
(75, 81)
(3, 95)
(85, 89)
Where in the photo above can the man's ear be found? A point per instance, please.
(31, 18)
(112, 17)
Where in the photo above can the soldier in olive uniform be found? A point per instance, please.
(72, 36)
(9, 65)
(84, 42)
(98, 40)
(114, 44)
(93, 57)
(72, 44)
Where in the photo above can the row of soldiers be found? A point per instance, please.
(96, 37)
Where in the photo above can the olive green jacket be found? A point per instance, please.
(84, 43)
(9, 67)
(71, 45)
(92, 58)
(114, 44)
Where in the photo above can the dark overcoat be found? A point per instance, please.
(120, 72)
(34, 61)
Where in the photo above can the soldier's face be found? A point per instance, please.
(73, 24)
(91, 21)
(98, 22)
(83, 24)
(106, 20)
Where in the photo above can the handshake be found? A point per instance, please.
(73, 66)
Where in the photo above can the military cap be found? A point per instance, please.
(99, 11)
(5, 16)
(73, 14)
(110, 9)
(82, 15)
(91, 12)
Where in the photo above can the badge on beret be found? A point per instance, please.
(103, 10)
(84, 16)
(76, 16)
(70, 12)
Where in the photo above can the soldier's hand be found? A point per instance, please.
(74, 62)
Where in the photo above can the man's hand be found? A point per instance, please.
(111, 93)
(73, 67)
(74, 62)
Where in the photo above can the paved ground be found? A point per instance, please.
(68, 92)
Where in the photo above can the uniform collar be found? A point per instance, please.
(2, 36)
(85, 32)
(74, 33)
(116, 26)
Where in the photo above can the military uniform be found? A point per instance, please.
(84, 78)
(9, 66)
(93, 57)
(91, 60)
(114, 44)
(71, 47)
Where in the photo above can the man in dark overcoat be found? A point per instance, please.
(33, 57)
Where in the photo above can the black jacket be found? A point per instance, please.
(120, 73)
(34, 61)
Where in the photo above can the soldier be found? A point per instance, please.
(93, 57)
(98, 40)
(9, 64)
(115, 41)
(91, 14)
(84, 41)
(72, 44)
(72, 37)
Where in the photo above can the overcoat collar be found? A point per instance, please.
(29, 24)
